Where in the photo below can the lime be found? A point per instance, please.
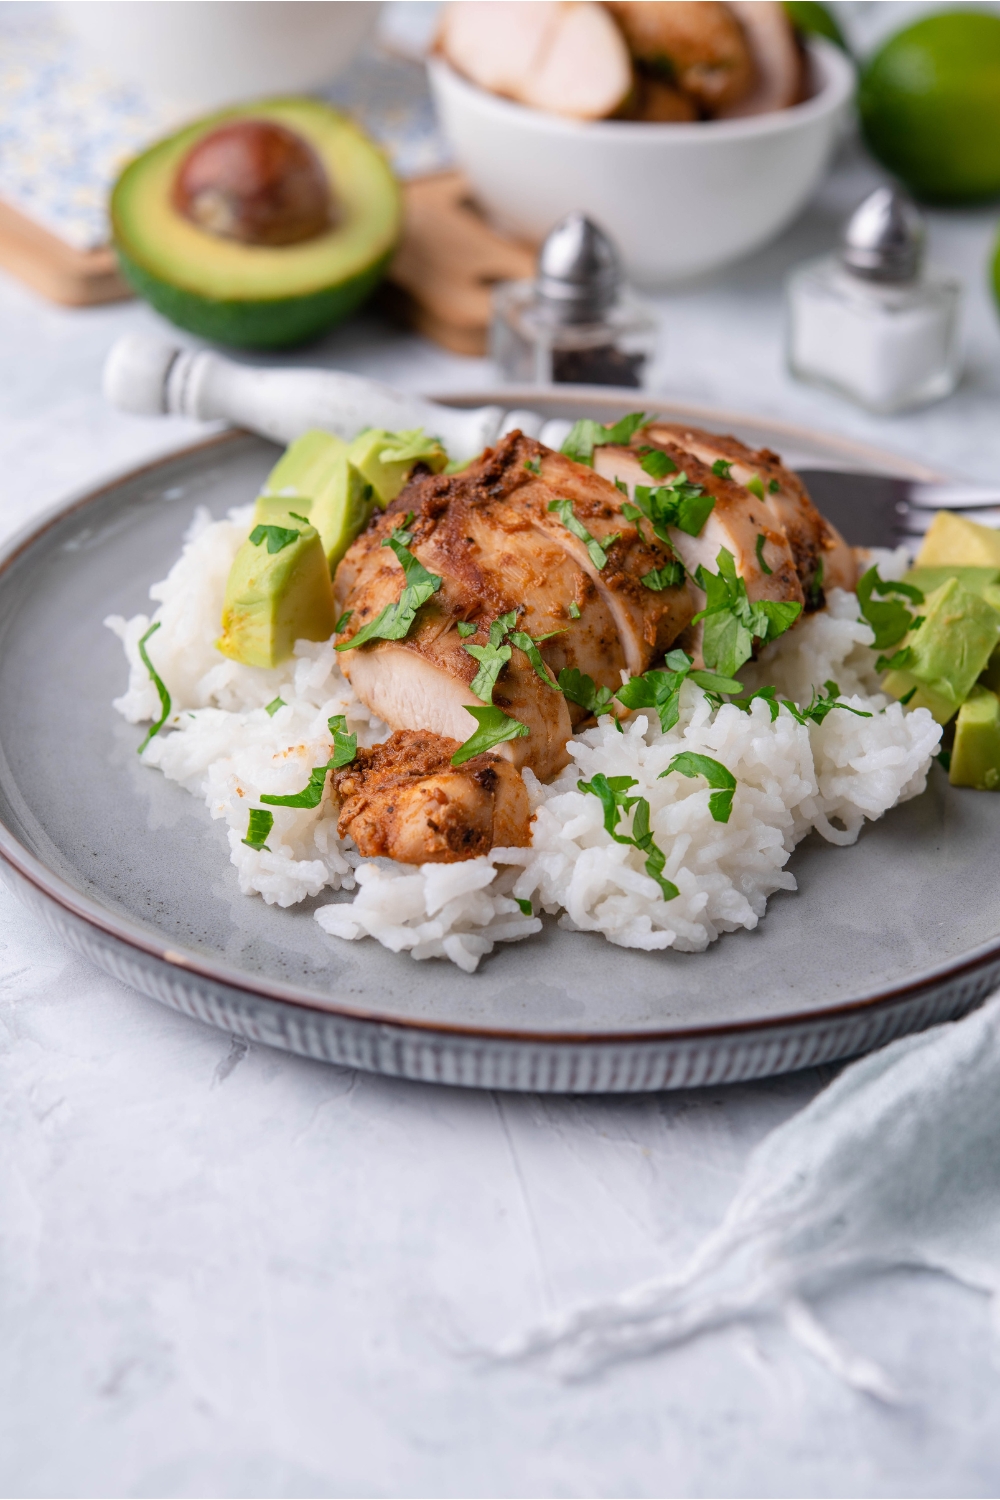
(930, 106)
(810, 18)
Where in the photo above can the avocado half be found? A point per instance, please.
(255, 296)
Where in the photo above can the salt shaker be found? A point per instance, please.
(869, 320)
(577, 322)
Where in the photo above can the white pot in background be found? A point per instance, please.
(680, 200)
(206, 53)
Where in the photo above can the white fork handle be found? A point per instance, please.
(148, 376)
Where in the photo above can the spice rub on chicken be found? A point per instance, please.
(524, 534)
(498, 609)
(405, 800)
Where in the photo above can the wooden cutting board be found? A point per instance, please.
(448, 262)
(76, 278)
(440, 282)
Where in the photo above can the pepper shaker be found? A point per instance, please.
(577, 322)
(869, 320)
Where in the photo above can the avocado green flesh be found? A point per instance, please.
(975, 755)
(274, 599)
(385, 475)
(947, 652)
(254, 295)
(976, 580)
(316, 478)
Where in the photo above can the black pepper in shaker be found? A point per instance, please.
(577, 322)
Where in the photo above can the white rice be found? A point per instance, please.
(223, 746)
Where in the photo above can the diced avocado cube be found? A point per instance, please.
(947, 652)
(976, 580)
(386, 459)
(274, 599)
(952, 540)
(975, 755)
(316, 479)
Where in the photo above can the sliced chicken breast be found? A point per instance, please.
(811, 537)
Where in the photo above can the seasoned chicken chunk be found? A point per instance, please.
(405, 800)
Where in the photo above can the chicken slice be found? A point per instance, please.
(777, 60)
(405, 800)
(566, 58)
(647, 620)
(811, 537)
(698, 43)
(737, 519)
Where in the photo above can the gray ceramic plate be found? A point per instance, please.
(882, 938)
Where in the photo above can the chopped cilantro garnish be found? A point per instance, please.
(890, 620)
(656, 463)
(903, 702)
(160, 686)
(722, 468)
(820, 704)
(527, 909)
(393, 622)
(900, 658)
(272, 708)
(494, 728)
(732, 623)
(661, 688)
(755, 485)
(345, 748)
(342, 622)
(311, 794)
(494, 656)
(492, 660)
(773, 487)
(533, 464)
(767, 695)
(579, 688)
(598, 551)
(295, 517)
(574, 610)
(761, 539)
(277, 537)
(670, 576)
(523, 642)
(720, 801)
(586, 435)
(611, 793)
(678, 503)
(466, 628)
(258, 828)
(815, 711)
(621, 487)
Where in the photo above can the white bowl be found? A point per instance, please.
(206, 53)
(679, 200)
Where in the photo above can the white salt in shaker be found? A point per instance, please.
(869, 321)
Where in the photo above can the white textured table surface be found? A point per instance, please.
(230, 1272)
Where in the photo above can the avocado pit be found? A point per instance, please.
(255, 181)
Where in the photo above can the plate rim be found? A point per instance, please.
(125, 930)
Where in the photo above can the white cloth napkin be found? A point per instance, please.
(896, 1163)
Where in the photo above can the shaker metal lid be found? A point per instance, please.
(578, 268)
(883, 240)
